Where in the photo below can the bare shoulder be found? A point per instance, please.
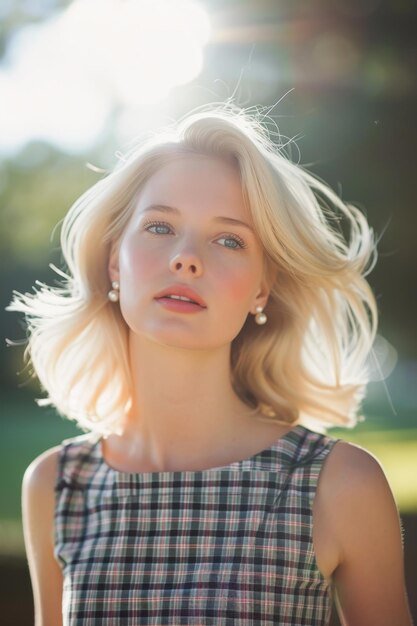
(350, 468)
(38, 506)
(350, 455)
(38, 492)
(41, 474)
(38, 498)
(355, 489)
(363, 521)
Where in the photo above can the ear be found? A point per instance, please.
(267, 282)
(113, 263)
(261, 298)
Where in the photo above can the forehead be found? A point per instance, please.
(195, 180)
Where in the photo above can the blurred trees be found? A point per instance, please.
(36, 189)
(356, 130)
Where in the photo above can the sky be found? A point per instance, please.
(63, 77)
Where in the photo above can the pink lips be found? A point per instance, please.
(181, 290)
(179, 306)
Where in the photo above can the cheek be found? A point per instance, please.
(136, 262)
(239, 286)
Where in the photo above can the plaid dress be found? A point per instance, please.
(229, 545)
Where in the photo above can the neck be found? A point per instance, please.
(183, 402)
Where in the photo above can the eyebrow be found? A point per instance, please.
(163, 208)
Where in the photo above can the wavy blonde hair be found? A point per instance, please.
(307, 364)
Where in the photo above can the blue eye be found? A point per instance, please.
(229, 237)
(157, 225)
(239, 242)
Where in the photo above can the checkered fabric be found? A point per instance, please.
(229, 545)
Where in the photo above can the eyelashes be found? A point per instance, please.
(148, 224)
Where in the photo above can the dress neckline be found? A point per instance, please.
(286, 442)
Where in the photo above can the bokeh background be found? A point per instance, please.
(79, 80)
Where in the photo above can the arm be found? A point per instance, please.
(369, 579)
(38, 505)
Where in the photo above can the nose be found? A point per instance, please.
(186, 263)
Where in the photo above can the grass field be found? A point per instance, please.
(27, 431)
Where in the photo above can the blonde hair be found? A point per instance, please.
(307, 364)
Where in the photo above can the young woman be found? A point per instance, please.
(213, 323)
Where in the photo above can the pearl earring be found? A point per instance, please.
(113, 295)
(260, 318)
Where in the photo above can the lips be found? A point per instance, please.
(181, 290)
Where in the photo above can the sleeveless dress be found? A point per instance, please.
(224, 546)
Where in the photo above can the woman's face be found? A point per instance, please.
(187, 243)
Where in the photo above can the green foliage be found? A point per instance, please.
(36, 190)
